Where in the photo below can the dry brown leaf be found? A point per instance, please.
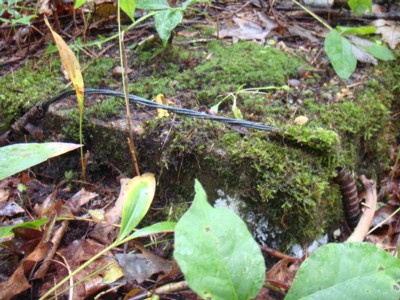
(10, 208)
(390, 31)
(15, 285)
(75, 254)
(283, 272)
(363, 56)
(105, 233)
(79, 199)
(247, 30)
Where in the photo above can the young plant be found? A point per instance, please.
(139, 194)
(166, 18)
(341, 51)
(71, 65)
(13, 8)
(235, 109)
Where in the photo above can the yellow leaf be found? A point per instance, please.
(71, 65)
(161, 113)
(300, 120)
(113, 274)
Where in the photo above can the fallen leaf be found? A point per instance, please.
(390, 31)
(363, 56)
(139, 267)
(10, 208)
(77, 253)
(79, 199)
(247, 30)
(300, 120)
(283, 272)
(161, 113)
(106, 233)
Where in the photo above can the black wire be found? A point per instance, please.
(181, 111)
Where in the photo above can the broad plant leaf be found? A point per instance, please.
(357, 30)
(138, 197)
(18, 157)
(340, 54)
(128, 7)
(79, 3)
(359, 7)
(7, 231)
(347, 271)
(379, 51)
(71, 65)
(216, 252)
(152, 4)
(166, 21)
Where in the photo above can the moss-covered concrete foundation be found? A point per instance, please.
(283, 179)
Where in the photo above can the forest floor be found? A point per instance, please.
(241, 59)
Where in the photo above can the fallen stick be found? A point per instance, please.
(363, 225)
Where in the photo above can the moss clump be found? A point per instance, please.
(201, 76)
(30, 85)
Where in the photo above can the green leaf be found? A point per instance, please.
(357, 30)
(379, 51)
(190, 2)
(6, 231)
(216, 252)
(18, 157)
(165, 22)
(139, 194)
(24, 20)
(340, 54)
(79, 3)
(128, 7)
(359, 7)
(347, 271)
(152, 4)
(236, 111)
(153, 229)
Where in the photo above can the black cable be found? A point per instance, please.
(181, 111)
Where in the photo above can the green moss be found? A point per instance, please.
(107, 109)
(98, 73)
(201, 76)
(30, 85)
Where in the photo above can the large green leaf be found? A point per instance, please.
(347, 271)
(216, 252)
(359, 7)
(379, 51)
(7, 231)
(79, 3)
(357, 30)
(152, 4)
(18, 157)
(128, 7)
(340, 54)
(139, 194)
(166, 21)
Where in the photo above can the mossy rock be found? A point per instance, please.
(285, 178)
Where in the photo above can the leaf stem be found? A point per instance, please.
(313, 15)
